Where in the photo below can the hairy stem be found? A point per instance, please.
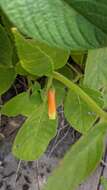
(92, 104)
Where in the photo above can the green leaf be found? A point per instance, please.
(8, 25)
(7, 76)
(32, 58)
(78, 56)
(21, 104)
(96, 69)
(58, 56)
(80, 161)
(78, 113)
(95, 16)
(20, 70)
(5, 49)
(63, 23)
(35, 134)
(67, 72)
(104, 183)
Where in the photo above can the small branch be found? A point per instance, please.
(17, 171)
(37, 176)
(74, 69)
(58, 142)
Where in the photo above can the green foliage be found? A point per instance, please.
(58, 56)
(78, 113)
(67, 72)
(34, 136)
(5, 49)
(32, 58)
(94, 11)
(63, 23)
(79, 162)
(7, 76)
(20, 70)
(50, 32)
(96, 69)
(46, 57)
(78, 57)
(22, 104)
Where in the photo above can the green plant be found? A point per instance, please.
(51, 32)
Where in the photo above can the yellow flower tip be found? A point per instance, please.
(52, 116)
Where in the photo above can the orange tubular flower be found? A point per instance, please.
(51, 104)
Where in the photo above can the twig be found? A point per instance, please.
(74, 69)
(17, 171)
(56, 144)
(37, 176)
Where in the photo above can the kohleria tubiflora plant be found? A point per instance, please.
(48, 34)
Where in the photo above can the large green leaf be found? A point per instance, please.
(5, 49)
(70, 24)
(80, 161)
(21, 104)
(32, 58)
(92, 10)
(58, 56)
(78, 113)
(96, 69)
(34, 135)
(7, 76)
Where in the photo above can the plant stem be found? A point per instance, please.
(91, 103)
(74, 69)
(48, 85)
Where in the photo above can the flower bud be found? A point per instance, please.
(51, 104)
